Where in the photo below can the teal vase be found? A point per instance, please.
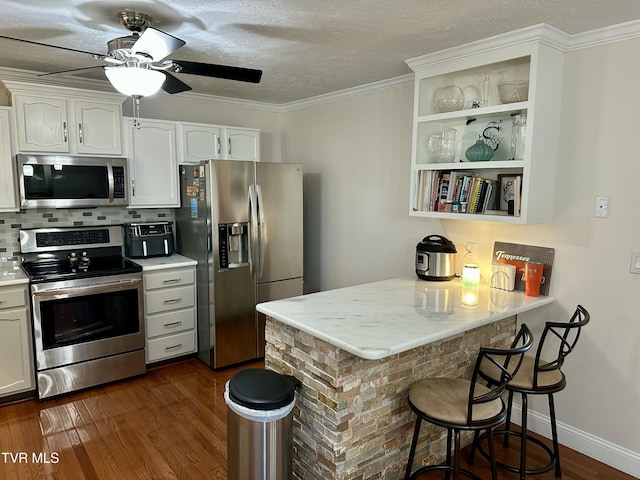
(479, 152)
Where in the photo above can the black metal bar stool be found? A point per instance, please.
(457, 404)
(536, 377)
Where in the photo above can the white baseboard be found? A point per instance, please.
(606, 452)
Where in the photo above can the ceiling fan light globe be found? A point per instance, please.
(135, 81)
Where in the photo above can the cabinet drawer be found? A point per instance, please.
(169, 299)
(170, 322)
(11, 298)
(169, 278)
(171, 346)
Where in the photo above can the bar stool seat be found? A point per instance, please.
(458, 404)
(536, 376)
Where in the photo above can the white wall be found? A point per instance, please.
(356, 155)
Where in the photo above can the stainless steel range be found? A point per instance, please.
(87, 307)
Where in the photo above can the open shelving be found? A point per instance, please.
(534, 54)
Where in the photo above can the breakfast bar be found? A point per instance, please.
(358, 349)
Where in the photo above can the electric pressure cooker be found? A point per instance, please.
(435, 258)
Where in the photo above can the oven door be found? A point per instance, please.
(80, 320)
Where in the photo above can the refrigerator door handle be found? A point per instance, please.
(253, 223)
(261, 232)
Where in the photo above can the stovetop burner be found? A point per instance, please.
(47, 271)
(59, 254)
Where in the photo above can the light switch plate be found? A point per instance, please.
(634, 267)
(601, 207)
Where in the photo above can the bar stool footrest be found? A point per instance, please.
(431, 468)
(511, 468)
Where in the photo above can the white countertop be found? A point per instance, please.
(379, 319)
(12, 277)
(158, 263)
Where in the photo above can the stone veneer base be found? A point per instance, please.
(351, 417)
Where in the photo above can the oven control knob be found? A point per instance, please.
(73, 258)
(84, 259)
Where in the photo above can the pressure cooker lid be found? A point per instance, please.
(436, 244)
(262, 389)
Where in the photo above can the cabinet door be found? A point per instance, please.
(153, 166)
(241, 144)
(16, 369)
(198, 142)
(98, 128)
(41, 123)
(8, 201)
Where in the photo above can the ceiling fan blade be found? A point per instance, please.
(156, 44)
(219, 71)
(95, 55)
(174, 85)
(64, 72)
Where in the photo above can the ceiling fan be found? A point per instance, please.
(136, 64)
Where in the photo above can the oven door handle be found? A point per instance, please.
(109, 287)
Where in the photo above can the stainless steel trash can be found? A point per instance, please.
(259, 425)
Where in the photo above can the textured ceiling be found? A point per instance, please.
(304, 47)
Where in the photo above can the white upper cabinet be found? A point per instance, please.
(518, 188)
(153, 166)
(66, 120)
(98, 127)
(8, 202)
(240, 144)
(198, 141)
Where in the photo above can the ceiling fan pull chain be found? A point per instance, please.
(136, 111)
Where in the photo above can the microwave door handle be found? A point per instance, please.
(111, 182)
(261, 230)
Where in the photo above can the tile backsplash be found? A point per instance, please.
(12, 223)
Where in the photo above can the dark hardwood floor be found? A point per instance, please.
(167, 424)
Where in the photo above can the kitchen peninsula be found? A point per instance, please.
(357, 350)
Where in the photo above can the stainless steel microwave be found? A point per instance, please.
(59, 181)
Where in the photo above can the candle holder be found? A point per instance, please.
(471, 275)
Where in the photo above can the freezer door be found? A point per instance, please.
(232, 288)
(279, 194)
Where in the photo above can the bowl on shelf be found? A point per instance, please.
(513, 91)
(449, 99)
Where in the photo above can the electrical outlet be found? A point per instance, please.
(601, 207)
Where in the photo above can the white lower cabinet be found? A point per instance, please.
(16, 359)
(170, 312)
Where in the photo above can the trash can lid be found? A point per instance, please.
(262, 389)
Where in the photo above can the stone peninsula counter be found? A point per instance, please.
(358, 349)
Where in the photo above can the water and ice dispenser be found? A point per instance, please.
(233, 244)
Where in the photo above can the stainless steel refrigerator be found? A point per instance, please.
(242, 222)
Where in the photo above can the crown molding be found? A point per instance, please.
(340, 95)
(606, 35)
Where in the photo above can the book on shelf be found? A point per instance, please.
(418, 189)
(443, 192)
(517, 194)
